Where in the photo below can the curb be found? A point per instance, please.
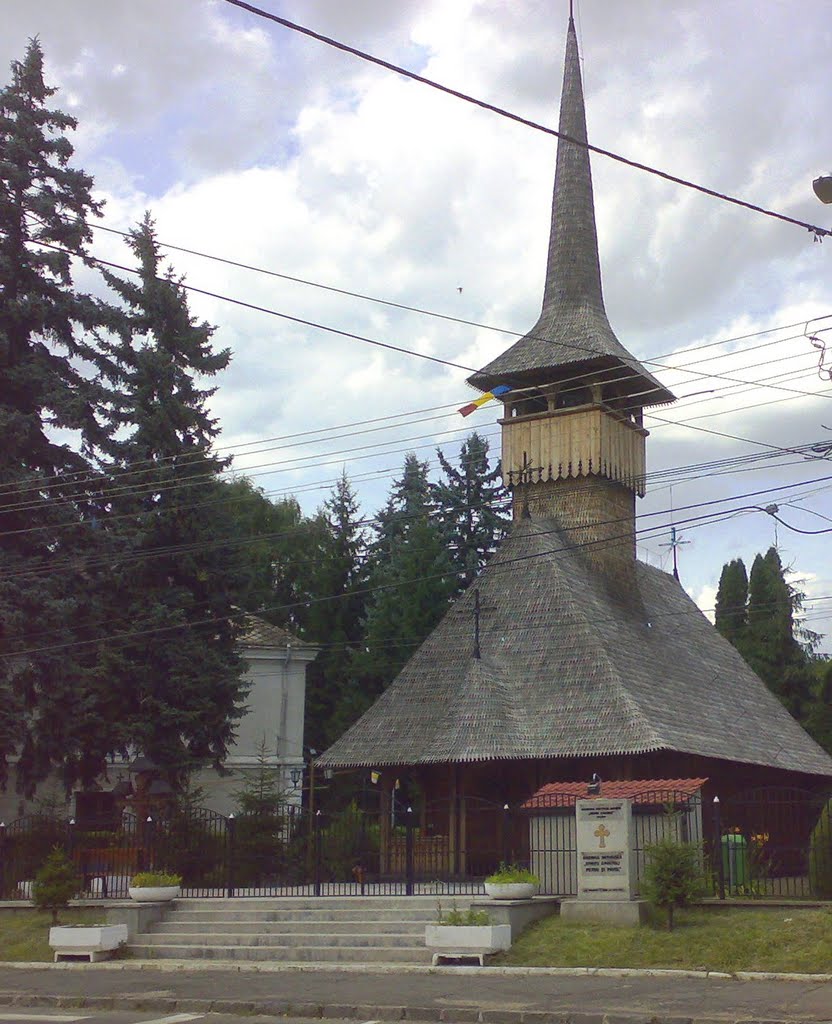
(336, 1011)
(233, 966)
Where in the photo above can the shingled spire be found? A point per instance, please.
(573, 438)
(573, 325)
(573, 271)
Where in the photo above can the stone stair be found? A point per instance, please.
(349, 929)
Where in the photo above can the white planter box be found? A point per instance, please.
(154, 893)
(510, 890)
(96, 941)
(474, 940)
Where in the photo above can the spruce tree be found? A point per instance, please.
(337, 624)
(48, 504)
(177, 577)
(469, 507)
(278, 547)
(731, 613)
(413, 580)
(819, 715)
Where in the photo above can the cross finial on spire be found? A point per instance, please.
(570, 10)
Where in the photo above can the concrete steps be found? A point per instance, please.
(293, 930)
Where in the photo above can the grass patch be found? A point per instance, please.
(714, 940)
(24, 934)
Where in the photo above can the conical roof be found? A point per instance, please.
(568, 671)
(573, 327)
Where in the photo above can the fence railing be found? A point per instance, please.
(760, 844)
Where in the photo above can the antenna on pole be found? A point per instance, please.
(674, 545)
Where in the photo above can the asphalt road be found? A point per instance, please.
(9, 1016)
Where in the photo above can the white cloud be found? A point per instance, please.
(257, 144)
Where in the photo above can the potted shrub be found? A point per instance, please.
(511, 882)
(154, 887)
(466, 933)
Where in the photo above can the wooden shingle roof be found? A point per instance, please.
(573, 330)
(570, 670)
(257, 632)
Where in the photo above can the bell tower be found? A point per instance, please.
(573, 440)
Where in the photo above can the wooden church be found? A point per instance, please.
(567, 656)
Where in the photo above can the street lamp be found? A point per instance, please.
(823, 187)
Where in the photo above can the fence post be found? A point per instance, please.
(148, 843)
(409, 867)
(505, 835)
(316, 847)
(230, 853)
(720, 867)
(70, 851)
(2, 859)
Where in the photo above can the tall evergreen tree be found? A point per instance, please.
(765, 630)
(337, 624)
(770, 645)
(819, 716)
(178, 578)
(413, 580)
(410, 500)
(468, 507)
(731, 612)
(47, 487)
(278, 548)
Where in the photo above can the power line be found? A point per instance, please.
(51, 568)
(574, 378)
(818, 232)
(128, 635)
(362, 338)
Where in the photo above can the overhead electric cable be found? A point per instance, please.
(690, 523)
(818, 232)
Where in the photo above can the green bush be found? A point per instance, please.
(55, 884)
(672, 875)
(511, 874)
(820, 855)
(153, 879)
(457, 918)
(347, 842)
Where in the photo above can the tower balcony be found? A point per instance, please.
(583, 441)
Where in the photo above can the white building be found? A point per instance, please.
(271, 730)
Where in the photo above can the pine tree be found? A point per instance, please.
(48, 489)
(341, 572)
(55, 883)
(468, 504)
(278, 547)
(819, 715)
(770, 645)
(731, 613)
(413, 580)
(410, 499)
(764, 628)
(177, 577)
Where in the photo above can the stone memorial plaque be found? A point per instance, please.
(605, 849)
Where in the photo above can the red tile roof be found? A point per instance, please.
(640, 791)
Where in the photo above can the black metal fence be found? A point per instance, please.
(773, 842)
(760, 844)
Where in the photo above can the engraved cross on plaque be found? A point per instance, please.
(603, 833)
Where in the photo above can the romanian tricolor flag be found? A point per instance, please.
(497, 392)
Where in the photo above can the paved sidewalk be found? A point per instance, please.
(463, 995)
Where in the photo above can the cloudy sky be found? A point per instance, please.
(257, 144)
